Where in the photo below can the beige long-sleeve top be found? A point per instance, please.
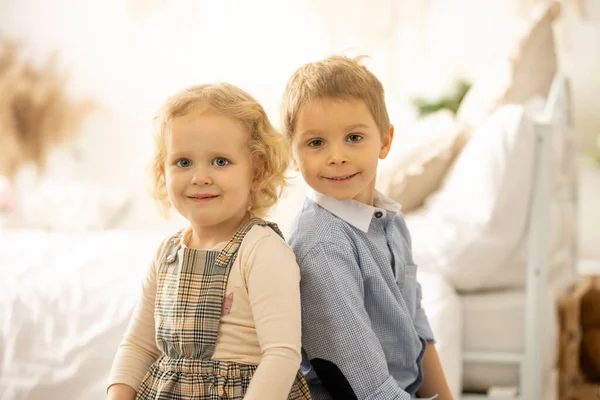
(263, 327)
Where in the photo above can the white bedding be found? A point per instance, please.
(443, 308)
(65, 301)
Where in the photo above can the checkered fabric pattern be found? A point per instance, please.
(190, 291)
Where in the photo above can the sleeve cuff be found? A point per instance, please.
(389, 390)
(125, 380)
(422, 326)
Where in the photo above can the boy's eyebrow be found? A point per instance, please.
(318, 132)
(311, 132)
(354, 126)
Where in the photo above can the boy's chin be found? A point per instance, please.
(340, 195)
(360, 197)
(343, 197)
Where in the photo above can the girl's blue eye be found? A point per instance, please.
(316, 143)
(184, 163)
(220, 162)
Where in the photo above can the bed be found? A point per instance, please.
(507, 275)
(65, 299)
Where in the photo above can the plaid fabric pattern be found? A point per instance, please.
(190, 291)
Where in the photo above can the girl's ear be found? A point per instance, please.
(294, 164)
(258, 173)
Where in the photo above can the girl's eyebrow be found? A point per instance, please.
(178, 154)
(212, 154)
(355, 126)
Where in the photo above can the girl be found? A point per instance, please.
(219, 316)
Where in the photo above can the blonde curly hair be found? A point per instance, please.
(269, 150)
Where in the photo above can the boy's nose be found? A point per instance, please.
(336, 157)
(337, 161)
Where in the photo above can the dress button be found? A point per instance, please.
(378, 214)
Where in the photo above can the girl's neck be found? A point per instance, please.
(207, 237)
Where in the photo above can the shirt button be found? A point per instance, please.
(378, 214)
(170, 259)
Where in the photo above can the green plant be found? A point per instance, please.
(449, 102)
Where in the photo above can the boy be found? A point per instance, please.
(364, 332)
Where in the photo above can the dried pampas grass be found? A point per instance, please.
(36, 113)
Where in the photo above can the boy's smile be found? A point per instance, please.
(341, 179)
(337, 145)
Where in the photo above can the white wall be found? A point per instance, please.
(130, 62)
(580, 51)
(589, 213)
(580, 56)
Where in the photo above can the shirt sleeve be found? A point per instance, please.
(336, 326)
(421, 321)
(137, 350)
(273, 280)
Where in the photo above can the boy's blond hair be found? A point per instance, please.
(336, 77)
(268, 148)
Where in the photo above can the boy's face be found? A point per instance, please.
(337, 146)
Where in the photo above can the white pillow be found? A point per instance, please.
(470, 228)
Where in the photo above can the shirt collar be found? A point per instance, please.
(353, 212)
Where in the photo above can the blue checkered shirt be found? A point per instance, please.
(361, 302)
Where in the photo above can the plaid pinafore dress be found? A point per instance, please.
(190, 291)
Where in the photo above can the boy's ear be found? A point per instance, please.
(386, 143)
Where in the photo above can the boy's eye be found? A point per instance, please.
(316, 143)
(220, 162)
(184, 163)
(354, 137)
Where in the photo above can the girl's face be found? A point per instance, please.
(208, 170)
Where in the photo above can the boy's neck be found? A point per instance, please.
(367, 196)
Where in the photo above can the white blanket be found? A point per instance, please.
(65, 300)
